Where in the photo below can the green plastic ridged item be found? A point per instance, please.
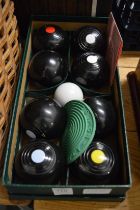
(80, 129)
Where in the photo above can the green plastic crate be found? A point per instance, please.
(66, 190)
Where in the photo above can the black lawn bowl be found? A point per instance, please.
(43, 118)
(89, 38)
(95, 165)
(90, 70)
(50, 37)
(39, 163)
(104, 113)
(47, 68)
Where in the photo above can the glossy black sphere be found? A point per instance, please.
(39, 163)
(50, 37)
(95, 165)
(89, 38)
(104, 113)
(43, 118)
(47, 68)
(90, 70)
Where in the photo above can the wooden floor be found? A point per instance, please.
(126, 64)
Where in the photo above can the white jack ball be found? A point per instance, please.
(67, 92)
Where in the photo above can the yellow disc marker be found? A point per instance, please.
(98, 156)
